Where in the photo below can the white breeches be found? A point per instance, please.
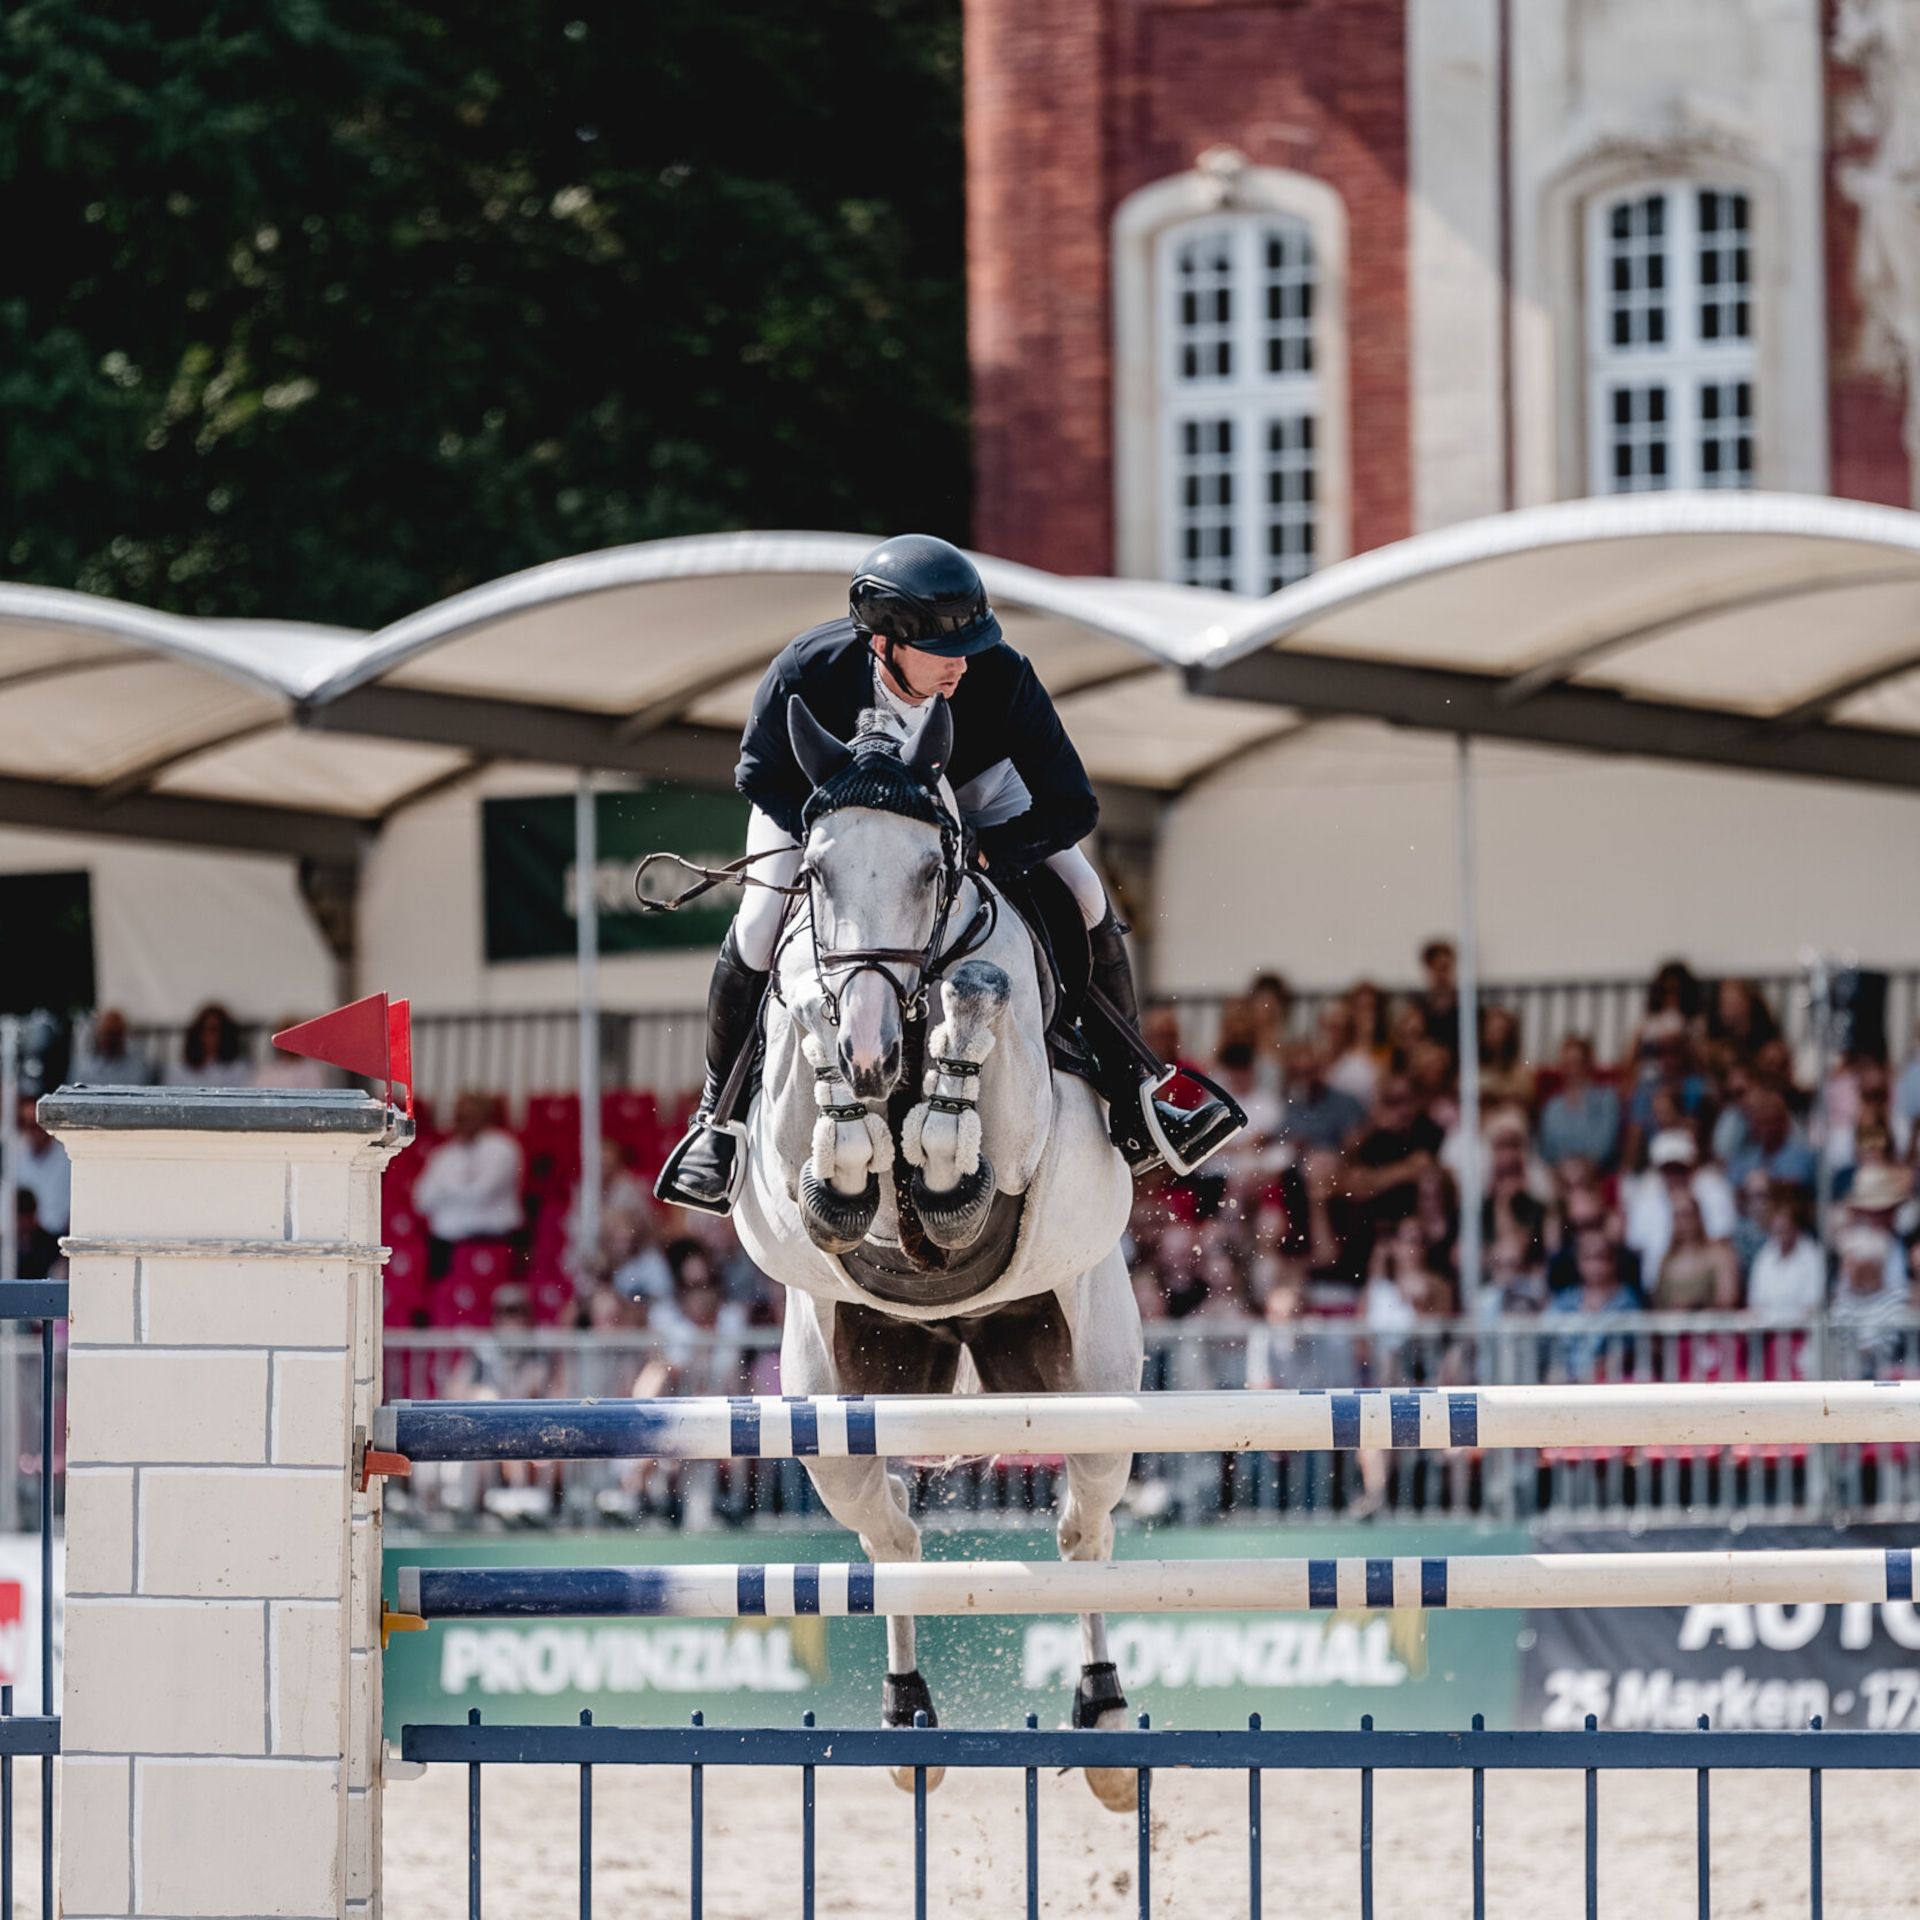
(756, 926)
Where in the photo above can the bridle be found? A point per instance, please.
(930, 963)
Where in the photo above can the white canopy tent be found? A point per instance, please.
(1778, 633)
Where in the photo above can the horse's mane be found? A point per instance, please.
(876, 777)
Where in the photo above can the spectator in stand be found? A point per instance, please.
(1369, 1007)
(1876, 1199)
(1505, 1078)
(1582, 1120)
(1351, 1069)
(1696, 1275)
(210, 1052)
(1319, 1117)
(1870, 1295)
(1904, 1108)
(1741, 1020)
(42, 1168)
(624, 1200)
(1280, 1354)
(1752, 1230)
(1385, 1164)
(1270, 1004)
(37, 1254)
(1666, 1069)
(108, 1057)
(1582, 1204)
(1516, 1284)
(1404, 1288)
(1789, 1276)
(1674, 1170)
(699, 1327)
(1438, 1002)
(1602, 1295)
(1773, 1146)
(470, 1187)
(1515, 1198)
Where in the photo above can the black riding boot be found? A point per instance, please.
(1130, 1076)
(703, 1171)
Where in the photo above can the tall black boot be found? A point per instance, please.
(704, 1170)
(1149, 1131)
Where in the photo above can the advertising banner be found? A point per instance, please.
(1197, 1670)
(1747, 1668)
(532, 893)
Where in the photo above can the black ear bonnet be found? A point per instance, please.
(872, 773)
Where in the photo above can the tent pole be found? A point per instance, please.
(1468, 915)
(586, 863)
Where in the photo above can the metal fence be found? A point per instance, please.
(1607, 1486)
(518, 1051)
(1256, 1752)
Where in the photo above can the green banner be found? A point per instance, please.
(531, 889)
(1408, 1669)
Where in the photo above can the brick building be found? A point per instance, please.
(1255, 284)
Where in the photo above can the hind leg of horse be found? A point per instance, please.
(869, 1502)
(1106, 1358)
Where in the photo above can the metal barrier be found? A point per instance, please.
(518, 1051)
(34, 1736)
(1660, 1480)
(1256, 1752)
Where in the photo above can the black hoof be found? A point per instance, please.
(836, 1222)
(904, 1695)
(1097, 1693)
(953, 1219)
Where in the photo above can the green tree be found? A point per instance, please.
(326, 308)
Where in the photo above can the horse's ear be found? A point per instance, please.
(931, 752)
(820, 755)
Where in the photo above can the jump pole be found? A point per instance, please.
(1456, 1581)
(828, 1427)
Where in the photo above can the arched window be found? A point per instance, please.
(1671, 387)
(1239, 402)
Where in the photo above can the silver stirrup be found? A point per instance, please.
(738, 1129)
(1177, 1163)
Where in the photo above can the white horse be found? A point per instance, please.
(977, 1208)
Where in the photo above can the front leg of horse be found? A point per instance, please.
(840, 1184)
(1095, 1483)
(953, 1179)
(871, 1502)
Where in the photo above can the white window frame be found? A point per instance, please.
(1249, 398)
(1684, 361)
(1222, 184)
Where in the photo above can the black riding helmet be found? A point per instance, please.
(919, 591)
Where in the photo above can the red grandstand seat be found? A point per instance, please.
(554, 1298)
(406, 1296)
(465, 1297)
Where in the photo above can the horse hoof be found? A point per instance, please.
(902, 1777)
(836, 1222)
(906, 1702)
(1099, 1704)
(953, 1219)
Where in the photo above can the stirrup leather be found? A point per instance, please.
(667, 1187)
(1230, 1119)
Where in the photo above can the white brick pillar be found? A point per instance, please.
(221, 1700)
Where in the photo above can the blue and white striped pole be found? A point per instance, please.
(1470, 1581)
(937, 1426)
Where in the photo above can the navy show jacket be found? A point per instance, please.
(1000, 712)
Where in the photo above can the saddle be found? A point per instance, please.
(1064, 959)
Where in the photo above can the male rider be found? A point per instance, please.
(919, 627)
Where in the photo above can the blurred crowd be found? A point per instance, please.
(1706, 1169)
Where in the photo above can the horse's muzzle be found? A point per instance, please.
(875, 1075)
